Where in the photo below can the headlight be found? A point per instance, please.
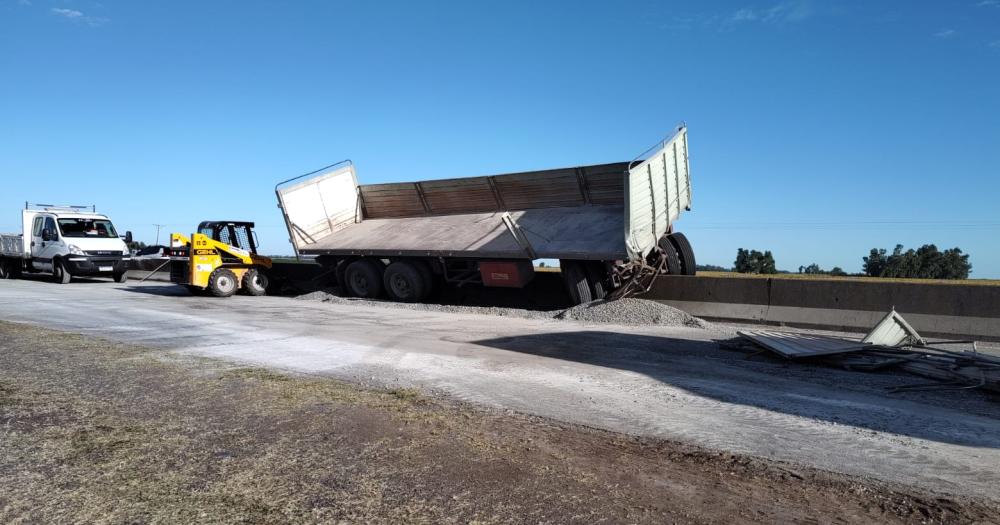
(75, 250)
(126, 252)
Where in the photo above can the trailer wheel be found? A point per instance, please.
(404, 282)
(425, 271)
(254, 283)
(598, 278)
(673, 260)
(680, 242)
(576, 282)
(340, 275)
(222, 282)
(363, 278)
(59, 272)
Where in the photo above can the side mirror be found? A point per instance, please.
(47, 235)
(128, 237)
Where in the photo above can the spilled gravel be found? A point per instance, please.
(629, 311)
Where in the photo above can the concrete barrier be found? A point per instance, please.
(943, 310)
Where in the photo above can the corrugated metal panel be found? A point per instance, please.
(794, 345)
(600, 184)
(658, 188)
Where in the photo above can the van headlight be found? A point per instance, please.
(75, 250)
(126, 252)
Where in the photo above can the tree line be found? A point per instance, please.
(926, 262)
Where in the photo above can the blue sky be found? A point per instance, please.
(818, 130)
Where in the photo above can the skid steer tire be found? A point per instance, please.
(222, 283)
(254, 283)
(363, 278)
(680, 241)
(404, 282)
(576, 282)
(673, 260)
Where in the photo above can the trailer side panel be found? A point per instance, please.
(658, 188)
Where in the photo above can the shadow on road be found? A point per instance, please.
(837, 396)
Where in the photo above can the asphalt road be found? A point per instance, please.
(673, 383)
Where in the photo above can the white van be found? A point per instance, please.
(65, 241)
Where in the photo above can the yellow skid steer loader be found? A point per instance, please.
(220, 259)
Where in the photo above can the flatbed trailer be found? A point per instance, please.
(609, 225)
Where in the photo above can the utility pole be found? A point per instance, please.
(158, 226)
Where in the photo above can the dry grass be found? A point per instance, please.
(96, 432)
(805, 277)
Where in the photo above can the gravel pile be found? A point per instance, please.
(629, 311)
(633, 312)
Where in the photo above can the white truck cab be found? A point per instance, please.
(68, 241)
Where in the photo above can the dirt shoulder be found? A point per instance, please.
(99, 432)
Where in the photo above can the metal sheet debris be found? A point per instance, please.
(893, 330)
(892, 344)
(795, 345)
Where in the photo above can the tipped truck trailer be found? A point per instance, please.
(65, 241)
(609, 225)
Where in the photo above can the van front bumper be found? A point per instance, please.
(96, 265)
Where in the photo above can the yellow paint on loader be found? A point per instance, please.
(206, 255)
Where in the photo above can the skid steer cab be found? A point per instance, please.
(220, 259)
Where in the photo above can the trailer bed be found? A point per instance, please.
(604, 212)
(583, 232)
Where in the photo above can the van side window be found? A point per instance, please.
(50, 224)
(36, 228)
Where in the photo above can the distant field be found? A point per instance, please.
(976, 282)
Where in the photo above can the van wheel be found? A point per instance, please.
(680, 241)
(404, 282)
(254, 283)
(59, 272)
(363, 278)
(5, 272)
(576, 282)
(121, 277)
(222, 282)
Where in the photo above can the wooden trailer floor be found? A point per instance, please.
(580, 232)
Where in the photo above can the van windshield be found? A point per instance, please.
(80, 227)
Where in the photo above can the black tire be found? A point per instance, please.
(680, 242)
(121, 277)
(340, 274)
(404, 282)
(597, 275)
(222, 282)
(425, 271)
(59, 272)
(363, 278)
(254, 283)
(670, 254)
(577, 285)
(5, 272)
